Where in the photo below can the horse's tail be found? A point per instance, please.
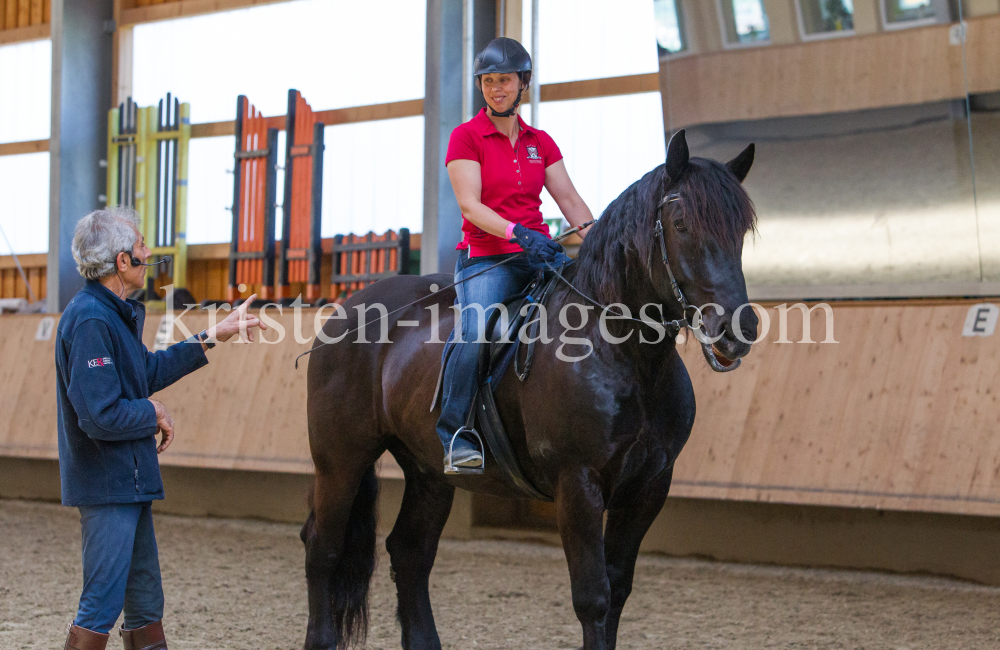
(352, 575)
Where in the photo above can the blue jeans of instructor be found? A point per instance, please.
(121, 568)
(493, 287)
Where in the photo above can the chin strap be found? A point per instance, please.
(509, 111)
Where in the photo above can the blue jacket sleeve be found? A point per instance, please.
(95, 390)
(165, 367)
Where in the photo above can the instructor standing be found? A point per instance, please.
(108, 427)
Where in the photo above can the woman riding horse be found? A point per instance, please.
(497, 165)
(599, 434)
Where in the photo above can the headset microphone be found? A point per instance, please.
(135, 261)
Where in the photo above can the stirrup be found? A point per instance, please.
(450, 468)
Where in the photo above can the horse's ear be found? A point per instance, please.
(677, 156)
(740, 165)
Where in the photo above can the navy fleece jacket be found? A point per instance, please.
(107, 425)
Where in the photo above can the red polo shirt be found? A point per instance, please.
(512, 178)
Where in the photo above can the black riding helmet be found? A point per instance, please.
(504, 55)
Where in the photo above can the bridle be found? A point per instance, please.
(672, 327)
(674, 286)
(693, 325)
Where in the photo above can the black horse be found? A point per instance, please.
(603, 432)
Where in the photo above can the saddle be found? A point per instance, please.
(505, 347)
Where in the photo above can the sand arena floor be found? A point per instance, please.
(240, 584)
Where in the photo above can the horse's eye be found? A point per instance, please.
(679, 225)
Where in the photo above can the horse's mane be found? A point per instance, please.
(713, 202)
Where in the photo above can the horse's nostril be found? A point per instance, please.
(749, 334)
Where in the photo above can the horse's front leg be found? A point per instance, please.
(580, 513)
(622, 537)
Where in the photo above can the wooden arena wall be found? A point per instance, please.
(901, 414)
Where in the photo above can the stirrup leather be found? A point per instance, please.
(451, 468)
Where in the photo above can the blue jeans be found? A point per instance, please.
(462, 356)
(121, 567)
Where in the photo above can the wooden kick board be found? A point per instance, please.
(901, 414)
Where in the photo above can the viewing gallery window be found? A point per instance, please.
(744, 22)
(669, 27)
(909, 13)
(825, 17)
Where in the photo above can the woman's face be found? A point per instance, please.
(500, 90)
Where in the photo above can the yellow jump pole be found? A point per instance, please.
(183, 138)
(113, 158)
(145, 191)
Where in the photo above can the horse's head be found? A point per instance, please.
(705, 214)
(692, 213)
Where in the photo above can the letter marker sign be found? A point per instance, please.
(981, 320)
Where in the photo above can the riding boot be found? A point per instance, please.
(78, 638)
(147, 637)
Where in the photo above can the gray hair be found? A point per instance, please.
(100, 236)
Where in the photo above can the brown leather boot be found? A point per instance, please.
(147, 637)
(78, 638)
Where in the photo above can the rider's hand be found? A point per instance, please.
(538, 246)
(165, 424)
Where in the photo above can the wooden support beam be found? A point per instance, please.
(23, 34)
(350, 115)
(151, 11)
(636, 83)
(31, 146)
(33, 260)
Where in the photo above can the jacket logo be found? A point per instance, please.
(100, 363)
(533, 152)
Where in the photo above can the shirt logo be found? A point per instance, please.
(533, 152)
(100, 363)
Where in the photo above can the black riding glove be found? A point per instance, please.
(538, 246)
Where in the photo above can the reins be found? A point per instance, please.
(406, 306)
(674, 327)
(453, 284)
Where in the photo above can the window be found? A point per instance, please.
(592, 39)
(372, 180)
(744, 22)
(608, 143)
(907, 13)
(25, 91)
(373, 177)
(826, 17)
(261, 52)
(24, 202)
(669, 27)
(210, 189)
